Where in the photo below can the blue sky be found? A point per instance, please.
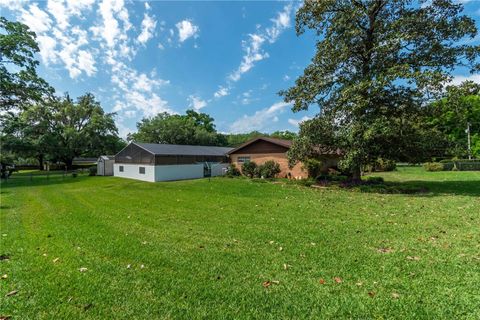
(228, 59)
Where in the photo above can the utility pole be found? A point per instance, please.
(468, 141)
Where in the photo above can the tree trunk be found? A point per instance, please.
(40, 161)
(69, 163)
(356, 174)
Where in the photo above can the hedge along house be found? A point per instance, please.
(262, 149)
(166, 162)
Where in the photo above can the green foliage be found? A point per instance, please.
(452, 114)
(433, 166)
(269, 169)
(19, 82)
(193, 128)
(377, 63)
(313, 167)
(92, 171)
(232, 171)
(381, 165)
(249, 169)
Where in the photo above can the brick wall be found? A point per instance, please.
(281, 158)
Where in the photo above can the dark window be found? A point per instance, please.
(243, 159)
(120, 168)
(141, 170)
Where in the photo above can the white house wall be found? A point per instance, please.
(131, 171)
(178, 172)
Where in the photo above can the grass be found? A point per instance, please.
(209, 248)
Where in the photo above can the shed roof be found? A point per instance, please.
(183, 150)
(107, 157)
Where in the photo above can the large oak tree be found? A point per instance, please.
(377, 63)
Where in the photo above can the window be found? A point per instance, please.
(120, 168)
(141, 170)
(243, 159)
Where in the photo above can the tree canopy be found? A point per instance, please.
(453, 114)
(377, 63)
(19, 82)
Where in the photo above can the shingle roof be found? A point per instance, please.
(183, 150)
(281, 142)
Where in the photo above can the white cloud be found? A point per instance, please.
(286, 78)
(297, 122)
(221, 92)
(196, 102)
(37, 19)
(110, 30)
(186, 29)
(148, 26)
(260, 119)
(459, 79)
(253, 45)
(86, 62)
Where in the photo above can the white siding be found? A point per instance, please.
(219, 169)
(105, 167)
(131, 171)
(178, 172)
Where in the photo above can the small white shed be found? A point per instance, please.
(105, 165)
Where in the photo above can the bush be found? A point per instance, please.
(374, 180)
(331, 177)
(433, 166)
(269, 169)
(74, 174)
(92, 171)
(461, 164)
(385, 165)
(232, 171)
(313, 167)
(249, 169)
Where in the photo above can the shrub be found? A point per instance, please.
(232, 171)
(92, 171)
(385, 165)
(269, 169)
(330, 177)
(249, 169)
(74, 174)
(433, 166)
(313, 167)
(374, 180)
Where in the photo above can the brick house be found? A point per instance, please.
(262, 149)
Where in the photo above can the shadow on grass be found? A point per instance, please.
(38, 180)
(424, 188)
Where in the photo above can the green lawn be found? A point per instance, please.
(208, 249)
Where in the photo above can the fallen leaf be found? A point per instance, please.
(142, 266)
(44, 254)
(280, 249)
(359, 283)
(275, 281)
(338, 280)
(321, 281)
(271, 242)
(11, 293)
(414, 258)
(285, 266)
(395, 295)
(5, 317)
(4, 257)
(312, 243)
(371, 294)
(55, 260)
(4, 276)
(385, 250)
(83, 269)
(144, 242)
(129, 266)
(266, 284)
